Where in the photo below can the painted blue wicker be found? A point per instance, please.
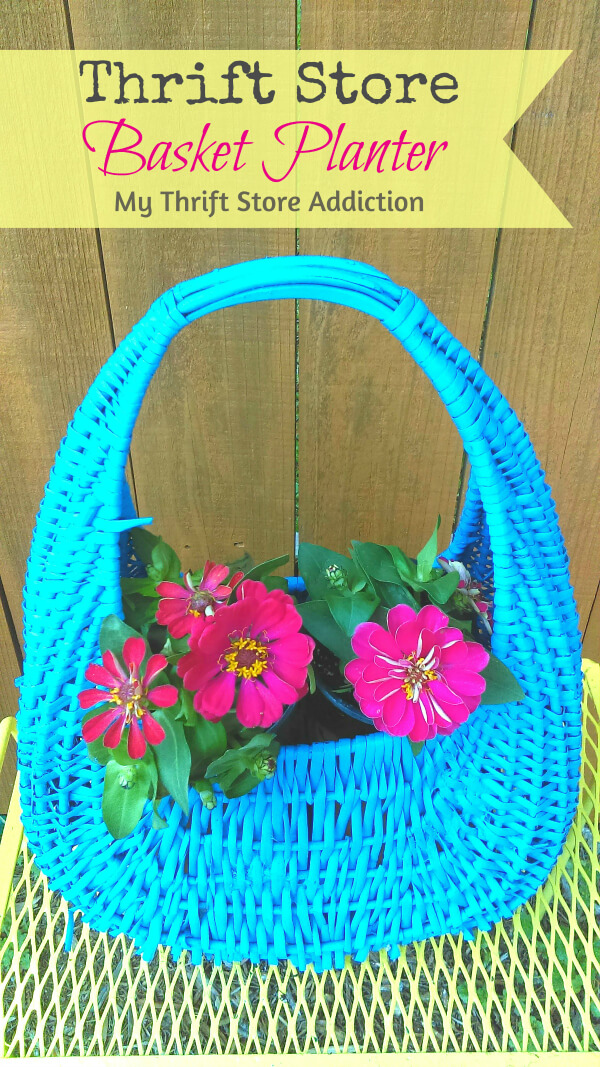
(354, 845)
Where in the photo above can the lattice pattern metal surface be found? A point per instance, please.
(530, 984)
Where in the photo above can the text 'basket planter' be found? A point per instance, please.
(355, 844)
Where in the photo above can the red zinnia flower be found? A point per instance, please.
(129, 696)
(419, 677)
(252, 655)
(187, 607)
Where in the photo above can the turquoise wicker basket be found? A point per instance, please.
(354, 845)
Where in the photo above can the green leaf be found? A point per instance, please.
(173, 758)
(113, 635)
(441, 589)
(349, 611)
(234, 762)
(139, 586)
(310, 674)
(375, 561)
(125, 793)
(144, 543)
(139, 612)
(416, 746)
(244, 563)
(158, 823)
(427, 555)
(184, 709)
(240, 786)
(207, 741)
(405, 566)
(165, 565)
(257, 573)
(318, 620)
(206, 792)
(312, 564)
(391, 594)
(273, 581)
(157, 637)
(501, 686)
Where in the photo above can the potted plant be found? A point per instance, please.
(205, 666)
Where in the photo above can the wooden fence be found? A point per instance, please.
(214, 457)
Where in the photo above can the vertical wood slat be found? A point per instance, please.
(379, 456)
(591, 640)
(55, 335)
(543, 342)
(213, 452)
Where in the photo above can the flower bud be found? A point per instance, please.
(206, 793)
(336, 576)
(264, 767)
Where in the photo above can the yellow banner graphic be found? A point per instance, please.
(269, 139)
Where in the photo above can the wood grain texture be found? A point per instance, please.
(213, 452)
(591, 640)
(379, 456)
(54, 333)
(543, 342)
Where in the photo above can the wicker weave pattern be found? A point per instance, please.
(353, 846)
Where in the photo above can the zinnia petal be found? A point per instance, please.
(153, 731)
(250, 704)
(398, 714)
(399, 615)
(95, 726)
(112, 665)
(216, 698)
(273, 708)
(354, 669)
(89, 697)
(297, 649)
(101, 676)
(214, 577)
(464, 681)
(431, 618)
(173, 590)
(154, 666)
(370, 638)
(113, 735)
(136, 744)
(134, 651)
(280, 689)
(164, 696)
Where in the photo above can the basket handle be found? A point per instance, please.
(83, 501)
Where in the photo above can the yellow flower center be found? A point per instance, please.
(247, 658)
(130, 696)
(199, 602)
(417, 676)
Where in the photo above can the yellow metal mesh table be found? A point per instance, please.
(531, 985)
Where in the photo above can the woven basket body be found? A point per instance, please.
(354, 845)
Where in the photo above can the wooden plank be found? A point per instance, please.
(379, 456)
(544, 330)
(55, 334)
(213, 453)
(9, 670)
(591, 639)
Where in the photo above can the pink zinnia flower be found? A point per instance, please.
(252, 655)
(188, 607)
(129, 696)
(419, 677)
(468, 589)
